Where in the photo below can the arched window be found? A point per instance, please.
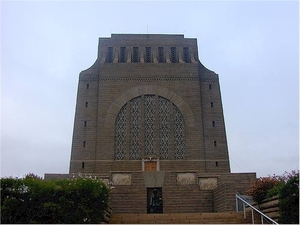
(149, 125)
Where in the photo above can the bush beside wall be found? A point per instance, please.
(33, 200)
(286, 187)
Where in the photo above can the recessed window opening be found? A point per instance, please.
(82, 165)
(217, 164)
(215, 143)
(135, 55)
(173, 54)
(109, 55)
(148, 55)
(86, 104)
(122, 55)
(211, 104)
(186, 55)
(209, 86)
(213, 123)
(84, 143)
(85, 123)
(161, 57)
(87, 86)
(163, 129)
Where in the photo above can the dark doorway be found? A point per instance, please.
(154, 200)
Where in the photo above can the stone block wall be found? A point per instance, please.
(177, 197)
(228, 186)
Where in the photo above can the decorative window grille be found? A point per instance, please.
(164, 127)
(149, 124)
(120, 139)
(161, 57)
(179, 136)
(186, 55)
(110, 57)
(173, 55)
(157, 132)
(148, 55)
(135, 55)
(135, 134)
(122, 55)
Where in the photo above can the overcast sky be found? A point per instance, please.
(253, 46)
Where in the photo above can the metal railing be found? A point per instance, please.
(239, 197)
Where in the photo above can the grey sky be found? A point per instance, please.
(253, 46)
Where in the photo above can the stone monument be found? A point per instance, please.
(149, 116)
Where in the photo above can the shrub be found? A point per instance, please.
(262, 186)
(275, 190)
(286, 187)
(33, 200)
(289, 200)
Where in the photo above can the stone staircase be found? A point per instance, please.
(181, 218)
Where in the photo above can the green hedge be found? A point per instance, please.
(33, 200)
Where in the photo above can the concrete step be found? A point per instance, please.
(180, 218)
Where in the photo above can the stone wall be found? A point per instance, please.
(269, 207)
(228, 186)
(183, 192)
(179, 195)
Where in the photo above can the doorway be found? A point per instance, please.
(154, 200)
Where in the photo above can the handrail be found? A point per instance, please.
(238, 196)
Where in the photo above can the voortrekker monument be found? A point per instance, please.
(149, 119)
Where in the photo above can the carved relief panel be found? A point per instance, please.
(186, 178)
(208, 183)
(121, 179)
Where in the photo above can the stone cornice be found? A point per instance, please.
(194, 78)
